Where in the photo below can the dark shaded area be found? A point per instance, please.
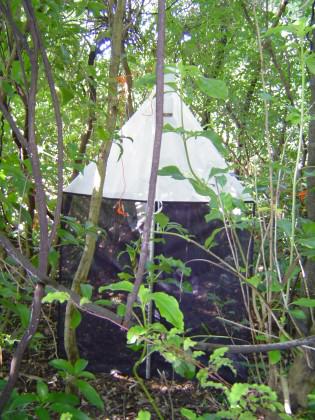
(213, 291)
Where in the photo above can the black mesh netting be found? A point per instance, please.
(213, 290)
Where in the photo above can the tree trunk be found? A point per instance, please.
(96, 198)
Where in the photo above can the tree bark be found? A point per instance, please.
(155, 162)
(96, 198)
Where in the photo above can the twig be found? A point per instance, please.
(155, 161)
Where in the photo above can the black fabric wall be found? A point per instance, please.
(214, 291)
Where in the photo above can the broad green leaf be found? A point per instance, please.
(67, 94)
(42, 390)
(185, 369)
(171, 171)
(143, 415)
(161, 219)
(62, 397)
(87, 375)
(23, 400)
(200, 187)
(213, 87)
(144, 294)
(124, 286)
(90, 394)
(66, 408)
(62, 364)
(134, 333)
(308, 242)
(304, 302)
(58, 296)
(86, 290)
(169, 309)
(76, 318)
(80, 365)
(297, 313)
(237, 391)
(274, 356)
(42, 413)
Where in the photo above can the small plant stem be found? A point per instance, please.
(298, 157)
(144, 388)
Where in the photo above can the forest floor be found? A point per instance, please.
(122, 395)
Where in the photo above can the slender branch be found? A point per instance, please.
(91, 308)
(13, 125)
(155, 161)
(56, 106)
(259, 348)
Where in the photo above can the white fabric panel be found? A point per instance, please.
(128, 178)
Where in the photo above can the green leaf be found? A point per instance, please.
(209, 242)
(134, 333)
(76, 319)
(216, 140)
(67, 94)
(62, 397)
(24, 313)
(23, 400)
(124, 286)
(310, 62)
(162, 220)
(58, 296)
(147, 81)
(169, 309)
(63, 365)
(87, 375)
(90, 394)
(189, 414)
(42, 390)
(86, 290)
(102, 134)
(236, 393)
(201, 187)
(274, 356)
(143, 415)
(254, 281)
(304, 302)
(171, 171)
(121, 309)
(213, 87)
(308, 242)
(53, 257)
(297, 314)
(42, 413)
(80, 365)
(66, 408)
(84, 300)
(184, 369)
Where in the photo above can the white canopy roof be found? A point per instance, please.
(128, 177)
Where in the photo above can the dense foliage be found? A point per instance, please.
(246, 69)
